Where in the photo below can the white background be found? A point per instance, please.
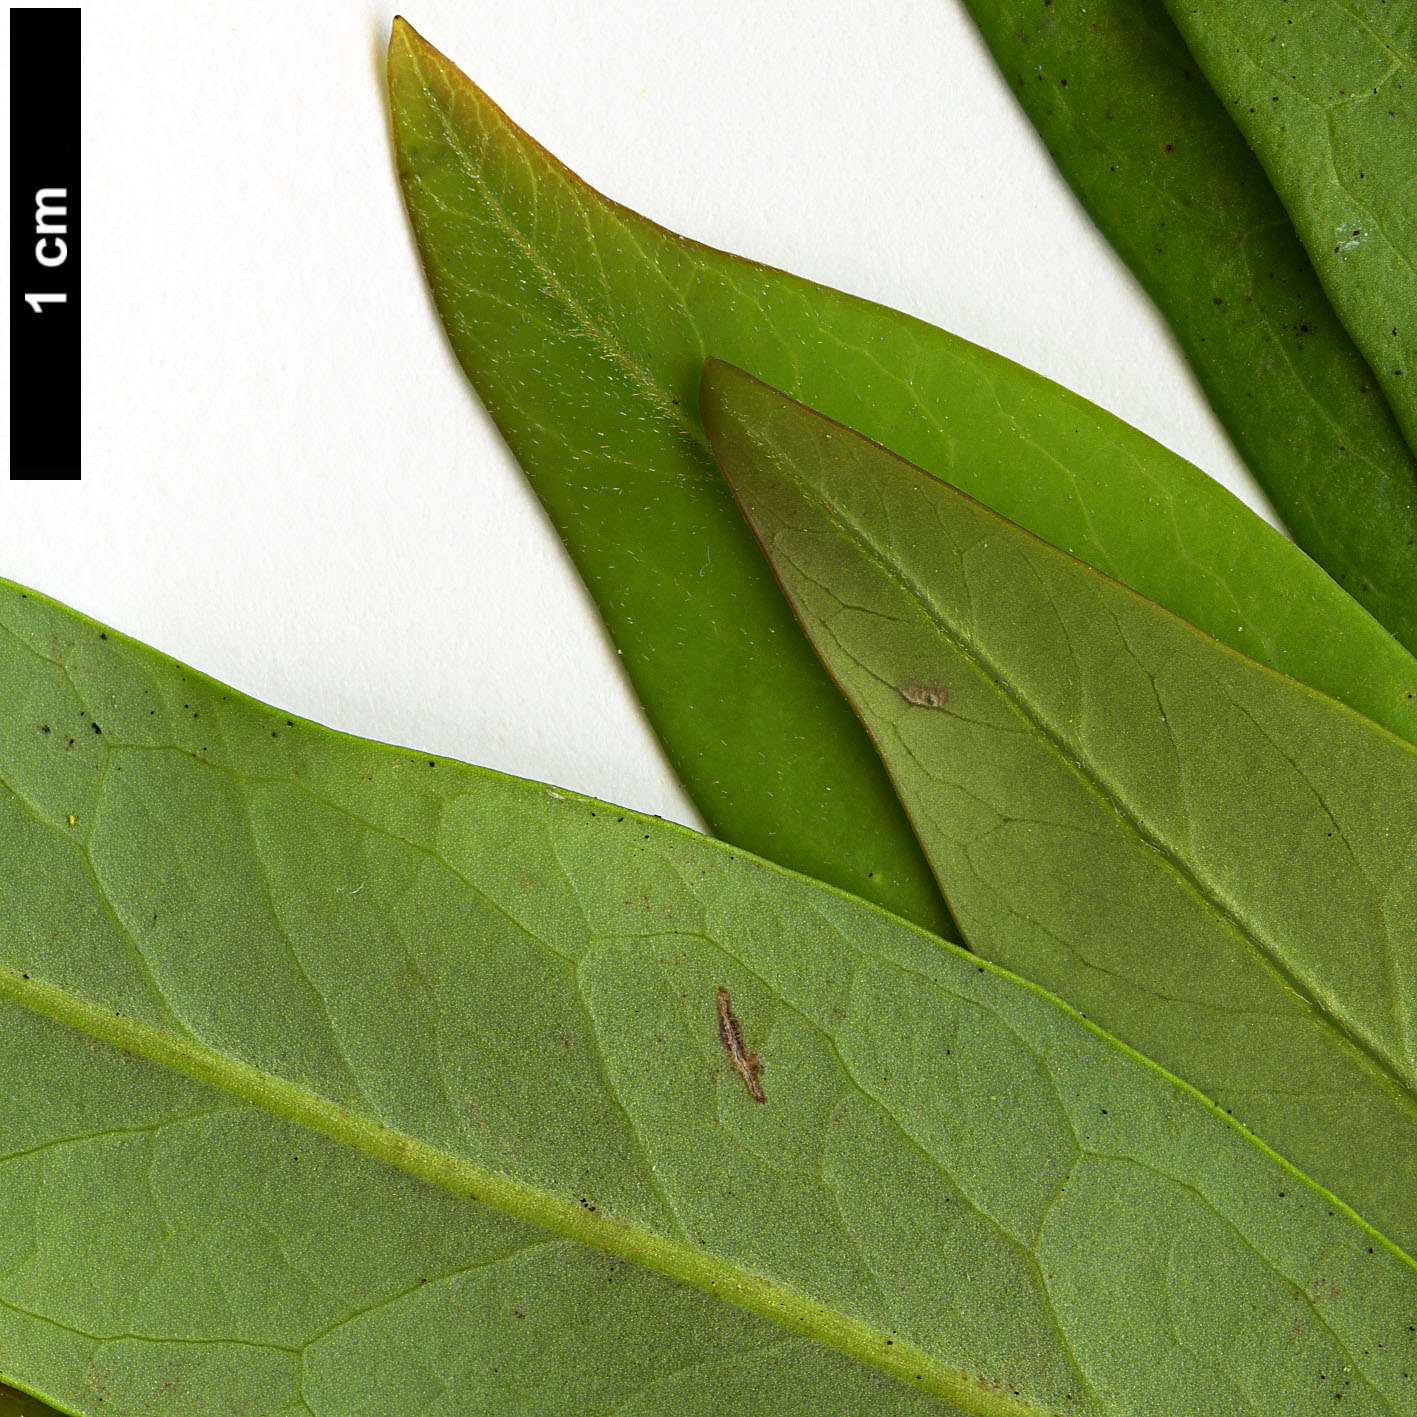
(287, 482)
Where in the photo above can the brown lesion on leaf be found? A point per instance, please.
(745, 1064)
(925, 695)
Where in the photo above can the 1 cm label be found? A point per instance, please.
(51, 211)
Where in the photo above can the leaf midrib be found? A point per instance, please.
(678, 1261)
(1081, 767)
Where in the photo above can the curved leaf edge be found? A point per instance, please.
(566, 1218)
(1385, 704)
(16, 1401)
(715, 391)
(900, 880)
(1344, 485)
(716, 370)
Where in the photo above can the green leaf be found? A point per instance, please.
(586, 361)
(1214, 862)
(583, 327)
(1155, 159)
(1326, 94)
(342, 1080)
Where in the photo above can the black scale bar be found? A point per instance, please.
(44, 244)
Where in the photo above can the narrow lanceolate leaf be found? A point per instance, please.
(340, 1080)
(1154, 157)
(1326, 94)
(1215, 863)
(578, 342)
(583, 326)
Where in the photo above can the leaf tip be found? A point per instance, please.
(408, 48)
(401, 36)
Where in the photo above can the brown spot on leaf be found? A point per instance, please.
(745, 1064)
(925, 695)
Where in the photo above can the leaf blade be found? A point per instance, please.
(537, 276)
(373, 1329)
(1154, 828)
(1325, 99)
(1155, 158)
(436, 910)
(769, 759)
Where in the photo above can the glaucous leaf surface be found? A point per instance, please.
(1326, 94)
(1214, 862)
(583, 326)
(1154, 157)
(342, 1080)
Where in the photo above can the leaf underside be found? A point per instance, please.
(278, 1004)
(1326, 95)
(1154, 157)
(1216, 864)
(583, 327)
